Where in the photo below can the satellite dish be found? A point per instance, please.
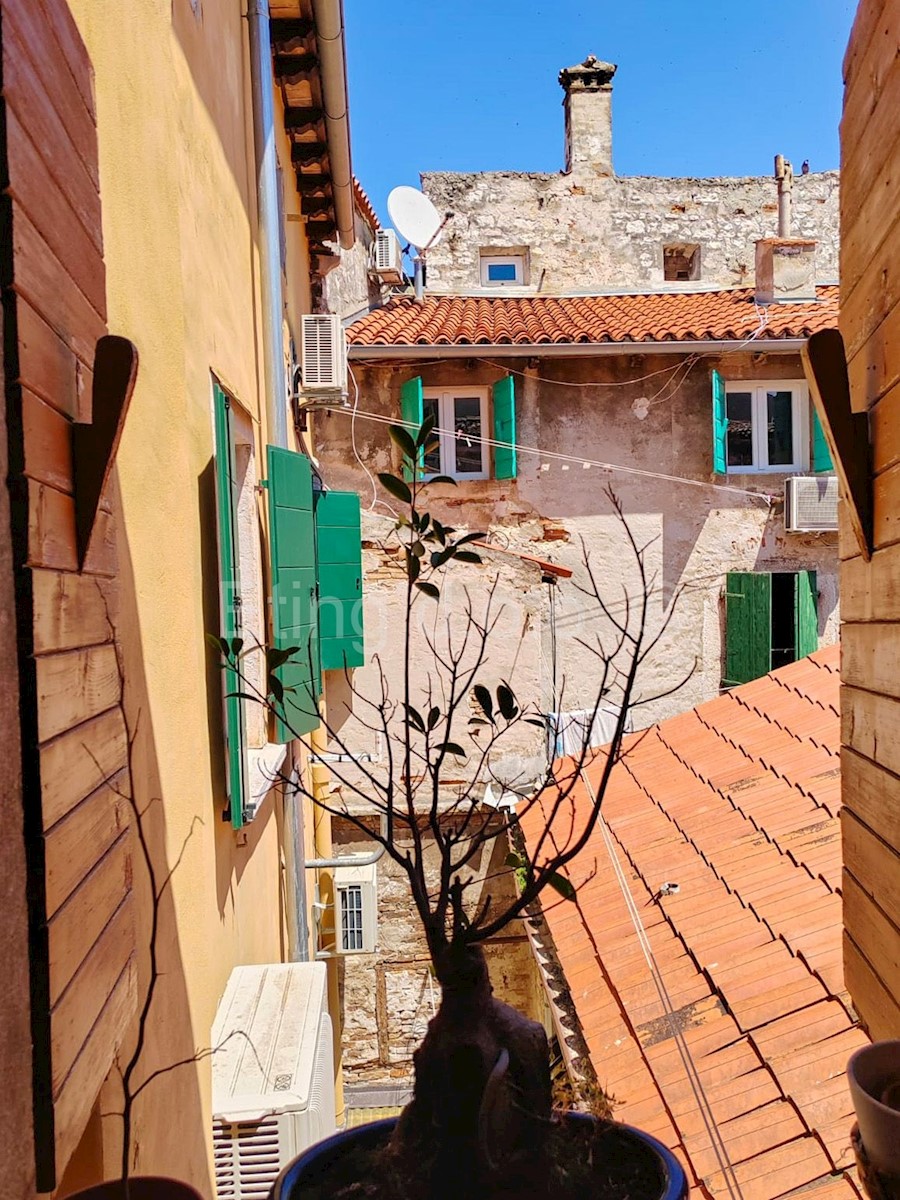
(415, 217)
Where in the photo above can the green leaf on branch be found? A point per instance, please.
(485, 701)
(506, 702)
(451, 748)
(471, 537)
(413, 566)
(404, 440)
(564, 886)
(443, 479)
(433, 717)
(514, 860)
(429, 589)
(276, 658)
(468, 556)
(395, 486)
(276, 687)
(415, 718)
(425, 431)
(241, 696)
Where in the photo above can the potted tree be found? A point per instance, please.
(480, 1122)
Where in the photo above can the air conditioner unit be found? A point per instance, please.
(356, 909)
(323, 364)
(272, 1074)
(387, 257)
(810, 503)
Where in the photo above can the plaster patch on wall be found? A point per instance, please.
(640, 407)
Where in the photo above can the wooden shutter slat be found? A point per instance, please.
(720, 424)
(748, 626)
(806, 615)
(339, 557)
(229, 587)
(504, 397)
(412, 411)
(293, 571)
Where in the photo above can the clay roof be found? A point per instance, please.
(364, 206)
(737, 801)
(581, 320)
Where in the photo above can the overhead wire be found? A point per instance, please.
(704, 1107)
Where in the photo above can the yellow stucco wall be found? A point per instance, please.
(178, 194)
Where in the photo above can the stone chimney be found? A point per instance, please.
(785, 270)
(588, 109)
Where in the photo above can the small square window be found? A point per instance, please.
(681, 262)
(502, 270)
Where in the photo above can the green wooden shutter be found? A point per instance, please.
(505, 428)
(412, 411)
(294, 623)
(339, 558)
(230, 608)
(748, 626)
(821, 453)
(806, 613)
(720, 424)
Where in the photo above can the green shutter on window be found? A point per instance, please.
(806, 613)
(821, 453)
(748, 626)
(412, 411)
(720, 424)
(294, 622)
(230, 607)
(339, 557)
(504, 396)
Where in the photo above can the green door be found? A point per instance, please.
(748, 626)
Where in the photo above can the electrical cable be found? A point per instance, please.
(375, 499)
(716, 1140)
(556, 456)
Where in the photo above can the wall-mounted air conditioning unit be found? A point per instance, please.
(323, 354)
(272, 1074)
(810, 503)
(356, 909)
(387, 258)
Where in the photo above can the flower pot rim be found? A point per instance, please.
(865, 1052)
(674, 1186)
(105, 1186)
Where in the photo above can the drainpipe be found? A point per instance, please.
(269, 219)
(321, 777)
(329, 19)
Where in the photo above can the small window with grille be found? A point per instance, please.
(355, 910)
(351, 917)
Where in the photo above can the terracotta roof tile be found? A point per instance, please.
(727, 800)
(730, 315)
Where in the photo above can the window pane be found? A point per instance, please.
(466, 426)
(351, 918)
(432, 460)
(739, 409)
(781, 428)
(501, 272)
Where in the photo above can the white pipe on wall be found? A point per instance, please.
(329, 19)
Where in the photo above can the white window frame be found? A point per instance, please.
(503, 260)
(446, 415)
(799, 425)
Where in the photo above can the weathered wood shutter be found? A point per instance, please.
(806, 614)
(412, 411)
(748, 626)
(504, 397)
(339, 559)
(293, 566)
(230, 604)
(821, 454)
(720, 424)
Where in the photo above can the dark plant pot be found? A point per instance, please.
(140, 1187)
(874, 1076)
(314, 1164)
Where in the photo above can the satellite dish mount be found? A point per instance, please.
(418, 222)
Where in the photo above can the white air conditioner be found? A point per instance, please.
(272, 1074)
(387, 257)
(356, 909)
(323, 364)
(810, 503)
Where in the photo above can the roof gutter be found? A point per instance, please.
(578, 349)
(329, 19)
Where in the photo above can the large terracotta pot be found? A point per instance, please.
(313, 1164)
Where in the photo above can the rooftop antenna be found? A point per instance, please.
(418, 222)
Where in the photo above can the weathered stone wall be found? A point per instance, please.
(694, 534)
(389, 997)
(591, 232)
(349, 288)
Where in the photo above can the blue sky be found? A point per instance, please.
(704, 87)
